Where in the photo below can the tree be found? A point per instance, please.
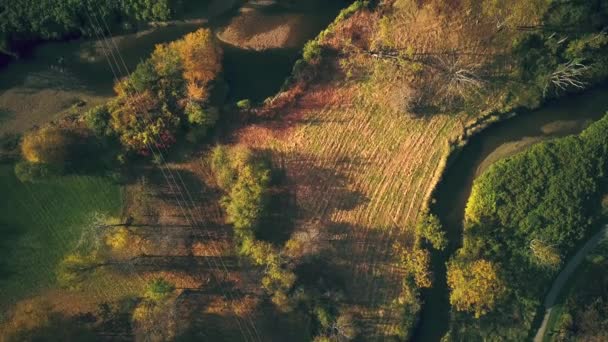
(416, 263)
(475, 286)
(97, 119)
(545, 254)
(141, 121)
(144, 77)
(245, 201)
(74, 268)
(47, 145)
(430, 228)
(345, 327)
(202, 61)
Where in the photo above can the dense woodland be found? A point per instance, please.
(525, 216)
(23, 22)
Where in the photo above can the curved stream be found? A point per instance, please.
(559, 118)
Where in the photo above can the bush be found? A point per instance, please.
(97, 120)
(34, 172)
(159, 289)
(48, 145)
(199, 116)
(244, 104)
(312, 51)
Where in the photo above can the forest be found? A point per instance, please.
(188, 187)
(524, 217)
(23, 22)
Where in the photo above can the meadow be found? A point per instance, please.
(42, 222)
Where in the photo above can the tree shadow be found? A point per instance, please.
(278, 219)
(10, 235)
(6, 114)
(331, 189)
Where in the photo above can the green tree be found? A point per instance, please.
(97, 119)
(429, 228)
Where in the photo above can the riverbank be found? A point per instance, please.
(492, 138)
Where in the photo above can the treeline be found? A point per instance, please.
(525, 215)
(306, 287)
(23, 22)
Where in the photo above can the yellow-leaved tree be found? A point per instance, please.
(202, 62)
(475, 286)
(48, 145)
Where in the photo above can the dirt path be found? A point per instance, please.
(563, 277)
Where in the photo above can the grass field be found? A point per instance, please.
(361, 173)
(40, 223)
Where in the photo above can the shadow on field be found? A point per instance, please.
(278, 220)
(8, 235)
(331, 188)
(6, 114)
(365, 249)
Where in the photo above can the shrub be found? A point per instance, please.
(159, 289)
(312, 51)
(199, 116)
(97, 120)
(429, 228)
(34, 172)
(244, 104)
(48, 145)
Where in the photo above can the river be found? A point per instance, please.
(569, 115)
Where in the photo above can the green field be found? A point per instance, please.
(41, 222)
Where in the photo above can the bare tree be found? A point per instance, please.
(567, 75)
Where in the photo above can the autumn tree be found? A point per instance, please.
(475, 286)
(169, 88)
(202, 61)
(141, 122)
(47, 145)
(429, 228)
(416, 264)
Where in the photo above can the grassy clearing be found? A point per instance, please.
(42, 222)
(362, 173)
